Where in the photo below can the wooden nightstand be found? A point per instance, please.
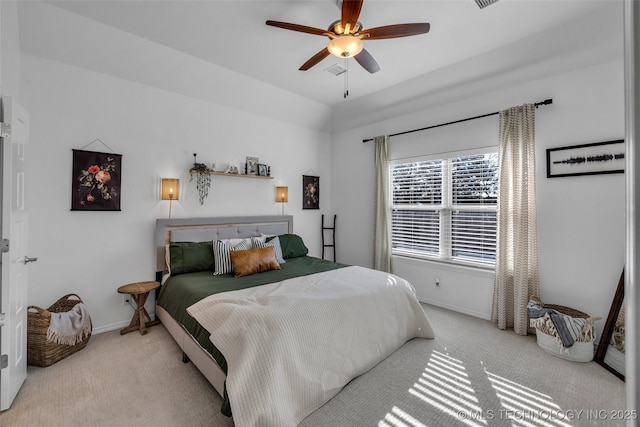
(139, 292)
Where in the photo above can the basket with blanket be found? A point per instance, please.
(562, 331)
(58, 331)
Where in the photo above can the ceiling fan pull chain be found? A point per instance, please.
(346, 78)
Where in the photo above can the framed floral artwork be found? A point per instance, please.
(310, 192)
(96, 181)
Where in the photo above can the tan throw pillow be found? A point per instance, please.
(253, 261)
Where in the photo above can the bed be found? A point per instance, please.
(273, 342)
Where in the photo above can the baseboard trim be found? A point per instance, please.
(473, 313)
(113, 326)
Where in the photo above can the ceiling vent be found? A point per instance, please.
(336, 69)
(484, 3)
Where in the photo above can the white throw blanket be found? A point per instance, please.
(291, 346)
(69, 327)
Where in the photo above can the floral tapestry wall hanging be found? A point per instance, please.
(96, 181)
(310, 192)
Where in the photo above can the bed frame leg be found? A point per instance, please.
(185, 358)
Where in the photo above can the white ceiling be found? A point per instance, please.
(233, 35)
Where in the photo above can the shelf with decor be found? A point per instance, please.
(192, 171)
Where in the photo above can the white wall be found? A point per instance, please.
(48, 31)
(157, 132)
(581, 236)
(10, 48)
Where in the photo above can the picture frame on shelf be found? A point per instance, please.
(262, 169)
(586, 159)
(96, 181)
(252, 165)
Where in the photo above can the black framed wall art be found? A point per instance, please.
(310, 192)
(586, 159)
(96, 181)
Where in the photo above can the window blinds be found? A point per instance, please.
(446, 209)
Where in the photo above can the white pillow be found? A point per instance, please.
(260, 239)
(237, 241)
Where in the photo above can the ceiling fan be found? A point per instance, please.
(346, 36)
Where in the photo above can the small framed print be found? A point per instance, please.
(252, 165)
(310, 192)
(262, 169)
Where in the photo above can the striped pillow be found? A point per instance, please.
(221, 258)
(257, 243)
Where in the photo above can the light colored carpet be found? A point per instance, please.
(470, 367)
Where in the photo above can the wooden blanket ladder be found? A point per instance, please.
(325, 244)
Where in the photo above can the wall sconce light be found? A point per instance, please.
(170, 191)
(282, 196)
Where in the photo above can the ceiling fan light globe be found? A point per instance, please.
(345, 46)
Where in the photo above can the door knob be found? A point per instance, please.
(28, 259)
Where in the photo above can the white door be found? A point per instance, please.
(13, 309)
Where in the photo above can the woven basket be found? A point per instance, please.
(579, 351)
(40, 351)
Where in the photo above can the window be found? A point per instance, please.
(445, 209)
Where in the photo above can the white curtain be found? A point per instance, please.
(382, 236)
(517, 250)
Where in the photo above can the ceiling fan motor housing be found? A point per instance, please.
(345, 42)
(345, 46)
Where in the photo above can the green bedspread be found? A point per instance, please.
(182, 291)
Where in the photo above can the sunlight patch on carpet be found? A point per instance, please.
(526, 406)
(399, 418)
(446, 386)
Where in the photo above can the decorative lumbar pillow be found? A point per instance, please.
(222, 258)
(254, 261)
(292, 246)
(274, 242)
(189, 257)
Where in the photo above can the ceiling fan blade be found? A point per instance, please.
(315, 59)
(296, 27)
(393, 31)
(351, 13)
(365, 59)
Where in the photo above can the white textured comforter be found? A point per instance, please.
(291, 346)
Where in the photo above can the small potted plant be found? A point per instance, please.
(203, 179)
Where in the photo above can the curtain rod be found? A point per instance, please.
(537, 104)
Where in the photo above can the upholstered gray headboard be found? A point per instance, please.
(202, 229)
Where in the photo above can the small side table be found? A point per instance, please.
(139, 292)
